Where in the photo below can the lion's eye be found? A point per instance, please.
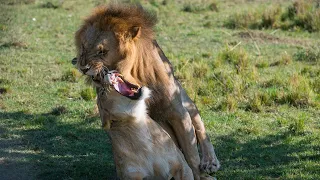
(102, 52)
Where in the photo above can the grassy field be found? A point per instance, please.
(252, 67)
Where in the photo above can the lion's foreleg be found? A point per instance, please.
(183, 128)
(209, 161)
(104, 114)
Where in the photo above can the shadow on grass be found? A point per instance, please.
(46, 147)
(267, 157)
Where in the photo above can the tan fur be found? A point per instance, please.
(125, 33)
(141, 148)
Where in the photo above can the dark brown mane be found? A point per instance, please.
(141, 60)
(121, 17)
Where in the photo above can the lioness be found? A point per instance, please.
(141, 148)
(120, 37)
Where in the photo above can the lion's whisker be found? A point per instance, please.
(105, 67)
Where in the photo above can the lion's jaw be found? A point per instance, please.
(110, 37)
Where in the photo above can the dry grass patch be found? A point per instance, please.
(235, 56)
(316, 85)
(308, 54)
(311, 72)
(200, 6)
(262, 37)
(59, 110)
(299, 92)
(88, 94)
(17, 2)
(297, 127)
(71, 75)
(301, 14)
(229, 103)
(247, 19)
(285, 59)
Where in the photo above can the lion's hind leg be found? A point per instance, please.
(180, 170)
(133, 175)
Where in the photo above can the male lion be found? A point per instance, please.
(120, 37)
(141, 148)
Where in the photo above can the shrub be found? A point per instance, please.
(192, 8)
(51, 5)
(271, 17)
(299, 92)
(14, 2)
(213, 7)
(248, 19)
(58, 110)
(255, 103)
(285, 59)
(200, 6)
(311, 72)
(228, 82)
(229, 103)
(4, 81)
(262, 64)
(200, 69)
(238, 57)
(203, 89)
(307, 55)
(316, 85)
(272, 96)
(298, 126)
(72, 75)
(282, 121)
(88, 94)
(206, 100)
(274, 82)
(248, 129)
(64, 91)
(302, 14)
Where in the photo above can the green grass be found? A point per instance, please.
(258, 90)
(299, 15)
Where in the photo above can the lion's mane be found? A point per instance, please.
(141, 61)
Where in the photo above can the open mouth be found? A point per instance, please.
(122, 86)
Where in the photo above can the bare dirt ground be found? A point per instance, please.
(262, 37)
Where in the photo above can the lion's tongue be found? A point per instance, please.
(123, 87)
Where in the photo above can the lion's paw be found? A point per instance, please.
(209, 165)
(207, 177)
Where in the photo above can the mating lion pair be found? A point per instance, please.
(120, 37)
(142, 149)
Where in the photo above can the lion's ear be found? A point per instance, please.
(135, 32)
